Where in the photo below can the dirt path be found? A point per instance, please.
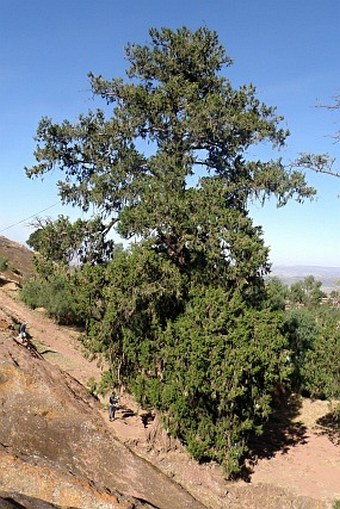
(308, 467)
(62, 346)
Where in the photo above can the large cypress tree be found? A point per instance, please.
(183, 316)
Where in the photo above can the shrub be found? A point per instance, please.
(302, 331)
(216, 371)
(54, 294)
(101, 387)
(321, 368)
(3, 264)
(32, 294)
(59, 301)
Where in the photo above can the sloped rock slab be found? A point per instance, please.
(54, 427)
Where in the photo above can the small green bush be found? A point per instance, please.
(314, 343)
(3, 264)
(101, 387)
(320, 372)
(59, 302)
(92, 387)
(32, 294)
(55, 295)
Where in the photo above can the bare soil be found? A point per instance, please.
(297, 465)
(19, 260)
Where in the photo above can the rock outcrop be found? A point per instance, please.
(56, 447)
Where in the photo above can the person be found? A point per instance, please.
(113, 405)
(22, 332)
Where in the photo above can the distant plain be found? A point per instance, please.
(329, 276)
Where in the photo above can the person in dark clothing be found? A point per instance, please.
(22, 332)
(113, 406)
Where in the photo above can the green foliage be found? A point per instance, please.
(92, 387)
(220, 364)
(301, 330)
(63, 242)
(314, 341)
(321, 369)
(205, 359)
(59, 301)
(307, 292)
(313, 337)
(3, 264)
(181, 317)
(32, 294)
(55, 295)
(101, 387)
(87, 283)
(277, 294)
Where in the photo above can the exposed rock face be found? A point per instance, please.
(54, 445)
(18, 501)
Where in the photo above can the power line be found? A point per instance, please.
(29, 217)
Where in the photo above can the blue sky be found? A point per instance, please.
(289, 50)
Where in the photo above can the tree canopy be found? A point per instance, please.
(182, 314)
(172, 155)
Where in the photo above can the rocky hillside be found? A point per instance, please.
(55, 446)
(19, 260)
(58, 449)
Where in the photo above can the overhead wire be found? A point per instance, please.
(29, 217)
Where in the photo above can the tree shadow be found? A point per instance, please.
(280, 433)
(329, 425)
(126, 412)
(147, 417)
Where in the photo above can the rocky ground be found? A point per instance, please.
(52, 431)
(56, 446)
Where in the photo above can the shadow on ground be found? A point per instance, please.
(329, 425)
(280, 433)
